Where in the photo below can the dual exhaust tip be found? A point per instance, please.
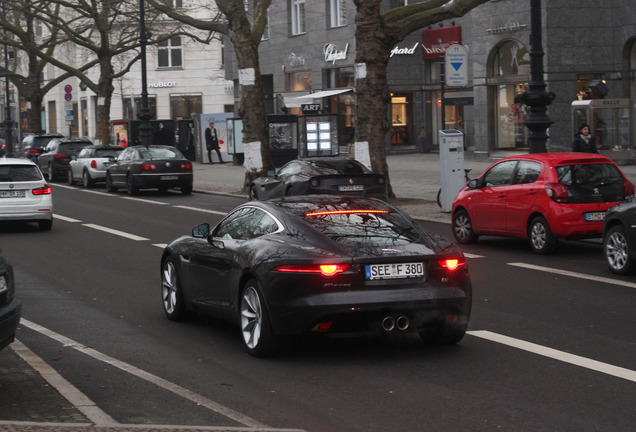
(390, 323)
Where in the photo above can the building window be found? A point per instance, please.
(132, 106)
(169, 53)
(337, 13)
(297, 17)
(338, 77)
(299, 81)
(185, 106)
(177, 4)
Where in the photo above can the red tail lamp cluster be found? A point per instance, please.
(323, 269)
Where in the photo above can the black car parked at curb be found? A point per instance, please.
(619, 238)
(10, 308)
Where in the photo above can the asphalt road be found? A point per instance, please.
(552, 342)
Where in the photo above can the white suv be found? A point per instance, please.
(24, 194)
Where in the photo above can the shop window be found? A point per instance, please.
(338, 77)
(132, 106)
(583, 89)
(299, 81)
(297, 17)
(185, 106)
(401, 128)
(169, 53)
(512, 58)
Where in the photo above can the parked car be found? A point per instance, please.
(24, 195)
(91, 163)
(542, 197)
(155, 167)
(33, 145)
(10, 307)
(57, 156)
(619, 238)
(320, 176)
(320, 264)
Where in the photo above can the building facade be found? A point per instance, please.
(307, 56)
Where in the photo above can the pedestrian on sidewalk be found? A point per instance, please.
(212, 142)
(584, 141)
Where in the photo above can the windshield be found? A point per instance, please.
(160, 153)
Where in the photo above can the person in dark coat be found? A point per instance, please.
(212, 142)
(584, 141)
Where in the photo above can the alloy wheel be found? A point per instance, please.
(251, 317)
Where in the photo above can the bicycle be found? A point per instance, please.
(439, 192)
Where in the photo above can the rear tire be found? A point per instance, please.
(542, 241)
(109, 183)
(69, 178)
(130, 186)
(616, 251)
(463, 227)
(51, 174)
(87, 180)
(253, 193)
(186, 190)
(45, 225)
(444, 334)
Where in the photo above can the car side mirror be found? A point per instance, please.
(216, 243)
(74, 157)
(201, 231)
(472, 184)
(272, 173)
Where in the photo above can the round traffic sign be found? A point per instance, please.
(68, 88)
(68, 97)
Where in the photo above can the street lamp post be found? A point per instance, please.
(537, 120)
(144, 114)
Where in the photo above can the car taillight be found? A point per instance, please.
(93, 164)
(452, 264)
(186, 165)
(148, 167)
(60, 156)
(557, 192)
(324, 269)
(629, 189)
(335, 212)
(44, 190)
(34, 151)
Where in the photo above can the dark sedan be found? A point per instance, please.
(155, 167)
(325, 264)
(619, 238)
(320, 176)
(10, 308)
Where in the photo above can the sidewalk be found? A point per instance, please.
(415, 179)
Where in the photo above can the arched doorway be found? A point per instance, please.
(509, 73)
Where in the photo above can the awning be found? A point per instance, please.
(319, 95)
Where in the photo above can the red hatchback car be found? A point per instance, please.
(541, 197)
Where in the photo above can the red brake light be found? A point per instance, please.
(148, 167)
(60, 156)
(34, 151)
(322, 213)
(186, 165)
(324, 269)
(93, 164)
(557, 192)
(44, 190)
(452, 264)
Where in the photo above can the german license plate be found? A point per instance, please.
(351, 188)
(594, 216)
(394, 271)
(12, 194)
(169, 177)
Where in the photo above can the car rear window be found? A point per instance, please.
(338, 167)
(587, 183)
(365, 228)
(160, 153)
(107, 152)
(71, 148)
(39, 142)
(18, 173)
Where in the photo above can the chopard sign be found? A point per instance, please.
(403, 51)
(333, 54)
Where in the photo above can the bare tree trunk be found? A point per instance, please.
(105, 91)
(372, 90)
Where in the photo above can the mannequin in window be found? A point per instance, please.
(212, 142)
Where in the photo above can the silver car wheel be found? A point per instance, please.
(538, 236)
(463, 227)
(169, 288)
(616, 251)
(251, 317)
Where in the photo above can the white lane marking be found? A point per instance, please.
(161, 245)
(97, 192)
(575, 274)
(468, 255)
(116, 232)
(78, 399)
(145, 200)
(201, 210)
(147, 376)
(64, 218)
(594, 365)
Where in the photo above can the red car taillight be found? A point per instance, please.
(44, 190)
(60, 156)
(324, 269)
(629, 188)
(452, 264)
(34, 152)
(557, 192)
(93, 164)
(186, 166)
(148, 167)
